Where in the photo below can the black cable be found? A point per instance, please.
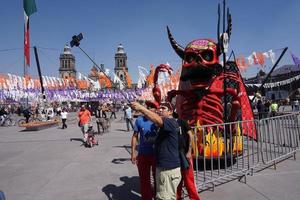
(12, 49)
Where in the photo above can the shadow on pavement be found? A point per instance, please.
(123, 146)
(120, 160)
(24, 130)
(128, 190)
(77, 139)
(120, 129)
(126, 147)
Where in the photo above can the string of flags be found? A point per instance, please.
(282, 82)
(256, 58)
(276, 84)
(83, 88)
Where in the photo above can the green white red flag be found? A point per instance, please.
(29, 9)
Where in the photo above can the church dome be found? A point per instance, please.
(120, 49)
(67, 49)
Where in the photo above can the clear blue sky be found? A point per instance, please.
(140, 25)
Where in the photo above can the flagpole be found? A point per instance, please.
(29, 8)
(269, 74)
(24, 57)
(24, 63)
(224, 66)
(24, 67)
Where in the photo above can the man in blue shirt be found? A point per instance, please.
(146, 130)
(168, 173)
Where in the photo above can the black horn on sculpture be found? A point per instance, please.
(178, 49)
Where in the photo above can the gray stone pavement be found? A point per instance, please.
(45, 164)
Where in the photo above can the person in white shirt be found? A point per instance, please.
(64, 115)
(128, 117)
(50, 113)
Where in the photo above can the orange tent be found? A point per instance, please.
(104, 81)
(127, 77)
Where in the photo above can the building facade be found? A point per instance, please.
(283, 83)
(67, 64)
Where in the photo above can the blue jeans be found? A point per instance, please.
(129, 121)
(84, 130)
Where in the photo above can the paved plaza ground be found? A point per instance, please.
(46, 165)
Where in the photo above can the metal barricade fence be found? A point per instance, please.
(225, 152)
(279, 137)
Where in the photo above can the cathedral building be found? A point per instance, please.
(67, 67)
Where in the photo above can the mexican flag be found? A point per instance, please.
(29, 9)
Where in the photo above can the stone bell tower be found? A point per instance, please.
(121, 64)
(67, 63)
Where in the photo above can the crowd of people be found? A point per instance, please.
(101, 113)
(268, 108)
(36, 112)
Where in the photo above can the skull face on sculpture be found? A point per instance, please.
(200, 52)
(200, 61)
(200, 57)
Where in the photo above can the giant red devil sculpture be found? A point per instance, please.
(201, 93)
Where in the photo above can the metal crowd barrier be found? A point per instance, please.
(277, 139)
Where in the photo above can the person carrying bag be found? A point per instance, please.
(185, 138)
(182, 140)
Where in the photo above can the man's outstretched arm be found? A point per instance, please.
(155, 118)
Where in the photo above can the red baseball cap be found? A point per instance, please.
(152, 104)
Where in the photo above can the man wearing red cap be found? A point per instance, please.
(146, 130)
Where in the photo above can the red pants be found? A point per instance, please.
(189, 183)
(145, 165)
